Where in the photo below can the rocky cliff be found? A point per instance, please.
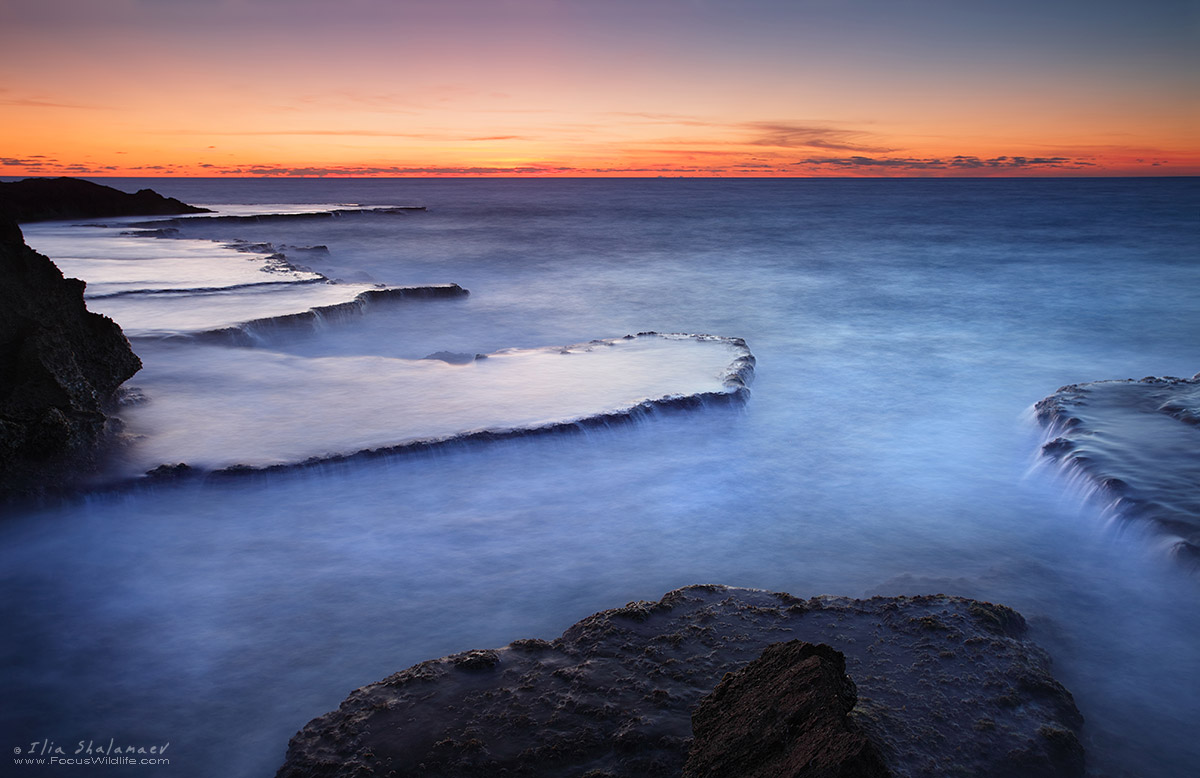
(59, 366)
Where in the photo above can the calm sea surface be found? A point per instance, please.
(902, 330)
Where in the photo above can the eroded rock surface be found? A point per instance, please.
(1137, 443)
(59, 366)
(784, 715)
(946, 686)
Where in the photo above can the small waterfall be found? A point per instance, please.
(1127, 448)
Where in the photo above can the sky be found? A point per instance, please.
(599, 87)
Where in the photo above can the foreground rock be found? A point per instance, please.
(946, 686)
(1137, 444)
(43, 199)
(59, 366)
(784, 715)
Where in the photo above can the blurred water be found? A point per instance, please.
(212, 407)
(902, 329)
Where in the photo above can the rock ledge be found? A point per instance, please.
(1137, 445)
(946, 686)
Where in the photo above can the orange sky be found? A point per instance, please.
(599, 87)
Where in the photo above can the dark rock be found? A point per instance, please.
(999, 619)
(479, 659)
(946, 686)
(179, 470)
(451, 357)
(784, 715)
(59, 367)
(43, 199)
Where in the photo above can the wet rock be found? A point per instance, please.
(180, 470)
(784, 715)
(60, 366)
(479, 659)
(451, 357)
(1137, 445)
(42, 199)
(944, 688)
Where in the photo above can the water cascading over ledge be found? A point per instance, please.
(1136, 445)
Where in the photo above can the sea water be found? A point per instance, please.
(902, 330)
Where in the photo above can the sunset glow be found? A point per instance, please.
(587, 88)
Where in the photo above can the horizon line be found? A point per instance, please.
(534, 177)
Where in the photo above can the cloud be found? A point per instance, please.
(789, 135)
(33, 102)
(33, 161)
(30, 103)
(436, 136)
(417, 171)
(317, 133)
(39, 164)
(957, 162)
(394, 170)
(670, 118)
(776, 134)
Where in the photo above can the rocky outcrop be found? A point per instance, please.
(43, 199)
(946, 686)
(784, 715)
(59, 366)
(1136, 445)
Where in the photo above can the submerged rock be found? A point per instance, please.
(42, 199)
(1137, 444)
(946, 686)
(59, 366)
(453, 357)
(784, 715)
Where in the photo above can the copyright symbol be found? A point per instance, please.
(17, 750)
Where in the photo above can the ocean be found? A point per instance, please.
(901, 332)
